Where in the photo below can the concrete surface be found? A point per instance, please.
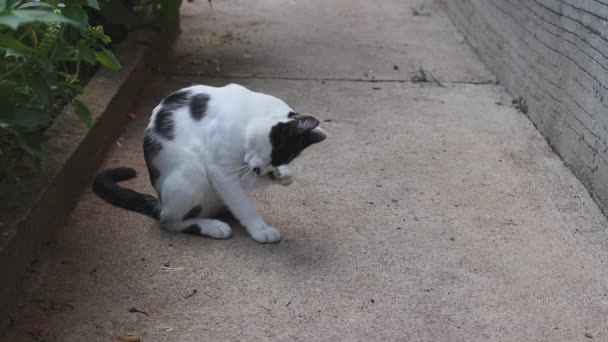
(553, 54)
(432, 213)
(355, 40)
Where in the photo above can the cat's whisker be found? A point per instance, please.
(244, 166)
(246, 174)
(237, 170)
(252, 180)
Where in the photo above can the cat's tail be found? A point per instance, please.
(106, 186)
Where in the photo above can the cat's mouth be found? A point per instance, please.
(272, 175)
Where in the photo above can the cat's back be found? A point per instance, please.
(202, 101)
(236, 100)
(200, 112)
(231, 94)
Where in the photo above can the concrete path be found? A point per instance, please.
(434, 212)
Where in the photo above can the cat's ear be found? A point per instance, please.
(307, 126)
(315, 136)
(305, 123)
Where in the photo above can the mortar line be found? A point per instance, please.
(321, 79)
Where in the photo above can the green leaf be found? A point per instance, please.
(35, 4)
(18, 17)
(106, 58)
(65, 52)
(31, 143)
(2, 5)
(9, 19)
(8, 42)
(83, 113)
(15, 53)
(86, 53)
(13, 3)
(11, 90)
(33, 15)
(93, 3)
(76, 13)
(7, 108)
(30, 118)
(40, 92)
(5, 85)
(45, 63)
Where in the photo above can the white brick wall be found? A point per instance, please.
(553, 54)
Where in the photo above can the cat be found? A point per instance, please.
(206, 148)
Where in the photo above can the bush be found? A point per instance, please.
(48, 49)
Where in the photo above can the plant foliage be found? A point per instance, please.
(47, 49)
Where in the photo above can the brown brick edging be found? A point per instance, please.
(31, 210)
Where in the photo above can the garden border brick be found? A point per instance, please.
(31, 210)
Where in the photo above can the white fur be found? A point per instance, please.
(210, 161)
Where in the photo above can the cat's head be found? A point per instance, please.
(283, 142)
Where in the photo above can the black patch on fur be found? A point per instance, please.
(292, 114)
(151, 149)
(151, 146)
(176, 100)
(154, 173)
(285, 145)
(164, 124)
(192, 230)
(193, 213)
(223, 214)
(199, 104)
(283, 154)
(290, 138)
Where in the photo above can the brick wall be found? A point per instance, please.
(552, 54)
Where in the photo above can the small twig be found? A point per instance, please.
(192, 294)
(136, 310)
(265, 308)
(439, 84)
(168, 268)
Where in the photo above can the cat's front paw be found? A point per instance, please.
(285, 180)
(283, 175)
(266, 235)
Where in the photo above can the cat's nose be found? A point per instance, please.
(256, 170)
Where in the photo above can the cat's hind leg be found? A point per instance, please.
(182, 206)
(207, 227)
(195, 226)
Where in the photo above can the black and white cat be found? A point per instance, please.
(205, 148)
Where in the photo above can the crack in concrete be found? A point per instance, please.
(324, 79)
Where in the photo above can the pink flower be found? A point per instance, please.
(36, 331)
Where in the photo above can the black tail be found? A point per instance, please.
(106, 187)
